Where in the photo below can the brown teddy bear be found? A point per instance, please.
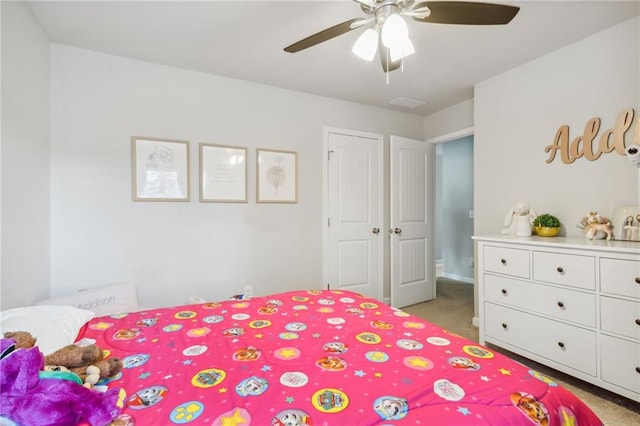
(23, 339)
(72, 356)
(86, 361)
(95, 366)
(99, 370)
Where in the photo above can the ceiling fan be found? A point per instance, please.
(389, 33)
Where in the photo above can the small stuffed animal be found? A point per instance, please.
(102, 369)
(72, 356)
(90, 377)
(591, 218)
(23, 339)
(596, 226)
(519, 219)
(593, 229)
(30, 398)
(86, 361)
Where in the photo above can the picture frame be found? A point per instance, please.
(619, 222)
(160, 169)
(223, 174)
(276, 176)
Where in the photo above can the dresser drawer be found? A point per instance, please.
(566, 269)
(564, 304)
(620, 276)
(568, 345)
(620, 362)
(509, 261)
(620, 317)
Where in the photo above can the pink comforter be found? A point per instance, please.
(319, 358)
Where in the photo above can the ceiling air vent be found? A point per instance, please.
(406, 102)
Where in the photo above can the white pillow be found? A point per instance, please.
(54, 326)
(103, 300)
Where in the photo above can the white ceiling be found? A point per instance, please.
(245, 40)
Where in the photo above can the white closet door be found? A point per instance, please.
(412, 277)
(355, 236)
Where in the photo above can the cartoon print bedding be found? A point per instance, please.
(318, 358)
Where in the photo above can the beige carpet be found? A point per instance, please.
(453, 310)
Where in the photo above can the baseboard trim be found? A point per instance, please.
(457, 278)
(475, 322)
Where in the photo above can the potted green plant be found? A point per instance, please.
(546, 225)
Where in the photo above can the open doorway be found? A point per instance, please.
(453, 207)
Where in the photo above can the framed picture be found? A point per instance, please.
(626, 223)
(277, 176)
(223, 174)
(160, 169)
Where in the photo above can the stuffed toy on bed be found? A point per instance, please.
(33, 397)
(86, 361)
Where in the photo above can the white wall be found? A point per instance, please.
(517, 114)
(457, 200)
(449, 120)
(25, 158)
(175, 250)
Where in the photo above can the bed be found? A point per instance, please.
(317, 358)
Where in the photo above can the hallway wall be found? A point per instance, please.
(454, 224)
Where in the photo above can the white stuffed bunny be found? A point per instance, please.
(519, 220)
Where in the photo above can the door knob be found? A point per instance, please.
(397, 230)
(376, 231)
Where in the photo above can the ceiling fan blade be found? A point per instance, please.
(467, 13)
(357, 23)
(322, 36)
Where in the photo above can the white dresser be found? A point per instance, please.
(569, 303)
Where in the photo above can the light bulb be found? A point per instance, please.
(366, 45)
(394, 31)
(398, 52)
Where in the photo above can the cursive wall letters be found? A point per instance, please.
(582, 146)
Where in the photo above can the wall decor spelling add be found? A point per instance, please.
(583, 146)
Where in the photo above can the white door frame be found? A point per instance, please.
(325, 200)
(467, 131)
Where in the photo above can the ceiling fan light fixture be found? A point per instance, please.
(367, 45)
(402, 51)
(394, 31)
(390, 35)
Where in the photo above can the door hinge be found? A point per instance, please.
(328, 286)
(328, 221)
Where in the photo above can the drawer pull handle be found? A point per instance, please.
(638, 370)
(504, 325)
(560, 305)
(638, 321)
(504, 291)
(638, 280)
(559, 269)
(561, 344)
(504, 262)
